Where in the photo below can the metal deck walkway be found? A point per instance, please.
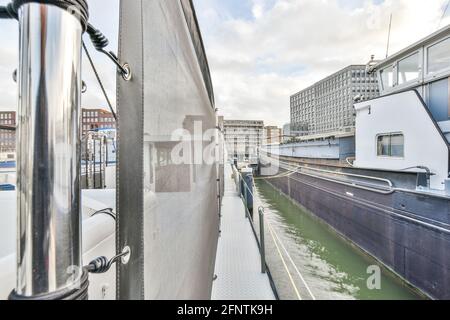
(238, 264)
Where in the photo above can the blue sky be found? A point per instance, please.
(262, 51)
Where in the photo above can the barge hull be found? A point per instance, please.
(406, 232)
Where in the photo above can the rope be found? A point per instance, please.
(107, 211)
(292, 261)
(78, 8)
(299, 297)
(7, 12)
(277, 240)
(102, 264)
(91, 62)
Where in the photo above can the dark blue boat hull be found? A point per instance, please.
(407, 232)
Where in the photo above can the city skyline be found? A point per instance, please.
(261, 51)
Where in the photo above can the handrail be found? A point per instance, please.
(377, 190)
(420, 222)
(355, 184)
(238, 178)
(262, 240)
(389, 182)
(261, 245)
(7, 128)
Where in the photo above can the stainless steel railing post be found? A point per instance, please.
(245, 197)
(262, 241)
(49, 262)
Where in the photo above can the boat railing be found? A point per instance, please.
(244, 192)
(260, 241)
(369, 183)
(440, 227)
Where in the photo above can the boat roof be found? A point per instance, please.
(435, 36)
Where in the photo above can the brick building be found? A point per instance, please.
(7, 137)
(93, 119)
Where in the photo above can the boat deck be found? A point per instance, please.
(238, 262)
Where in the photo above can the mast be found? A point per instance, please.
(49, 261)
(389, 36)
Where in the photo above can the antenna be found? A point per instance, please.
(443, 14)
(389, 36)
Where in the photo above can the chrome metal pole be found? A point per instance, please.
(245, 198)
(94, 141)
(49, 220)
(102, 162)
(262, 240)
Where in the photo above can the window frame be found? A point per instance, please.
(420, 70)
(438, 74)
(394, 76)
(390, 134)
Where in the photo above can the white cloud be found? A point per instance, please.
(258, 8)
(260, 57)
(258, 63)
(257, 11)
(105, 20)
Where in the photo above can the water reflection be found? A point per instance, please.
(331, 267)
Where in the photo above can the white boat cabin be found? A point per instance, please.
(408, 127)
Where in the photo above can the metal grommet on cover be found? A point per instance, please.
(126, 73)
(83, 87)
(127, 255)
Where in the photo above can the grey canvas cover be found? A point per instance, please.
(167, 184)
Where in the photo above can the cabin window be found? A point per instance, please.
(408, 69)
(387, 77)
(438, 99)
(391, 145)
(439, 56)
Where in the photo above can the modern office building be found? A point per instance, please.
(287, 133)
(243, 138)
(327, 106)
(97, 119)
(7, 137)
(291, 132)
(272, 135)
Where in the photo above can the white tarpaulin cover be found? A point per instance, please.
(167, 179)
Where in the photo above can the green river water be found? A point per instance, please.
(309, 260)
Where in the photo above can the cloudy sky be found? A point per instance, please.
(106, 20)
(262, 51)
